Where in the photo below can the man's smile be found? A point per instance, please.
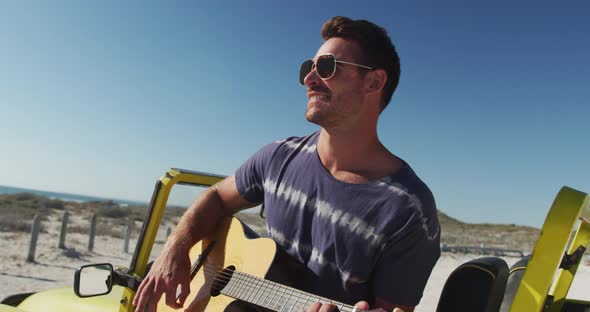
(318, 97)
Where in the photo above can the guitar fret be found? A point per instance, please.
(252, 285)
(288, 298)
(281, 301)
(287, 292)
(289, 301)
(246, 284)
(295, 299)
(292, 306)
(305, 302)
(260, 292)
(229, 287)
(241, 288)
(237, 286)
(299, 306)
(255, 289)
(272, 295)
(275, 290)
(263, 302)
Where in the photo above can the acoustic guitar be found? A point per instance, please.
(234, 272)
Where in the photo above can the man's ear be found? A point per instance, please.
(376, 80)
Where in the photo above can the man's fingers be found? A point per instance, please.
(171, 296)
(328, 308)
(318, 307)
(154, 297)
(148, 296)
(314, 307)
(362, 305)
(139, 291)
(185, 290)
(140, 299)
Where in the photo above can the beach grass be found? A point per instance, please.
(17, 212)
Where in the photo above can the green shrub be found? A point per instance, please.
(54, 204)
(103, 229)
(113, 212)
(13, 223)
(24, 196)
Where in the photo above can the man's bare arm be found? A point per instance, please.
(172, 267)
(222, 199)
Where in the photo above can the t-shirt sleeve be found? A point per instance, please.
(251, 174)
(405, 265)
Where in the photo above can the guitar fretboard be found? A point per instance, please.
(272, 295)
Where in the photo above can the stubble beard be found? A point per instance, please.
(317, 113)
(325, 117)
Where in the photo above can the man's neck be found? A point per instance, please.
(355, 156)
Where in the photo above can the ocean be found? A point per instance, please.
(66, 196)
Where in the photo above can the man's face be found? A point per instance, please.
(337, 101)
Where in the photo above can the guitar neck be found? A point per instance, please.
(272, 295)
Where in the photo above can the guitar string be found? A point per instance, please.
(242, 281)
(222, 276)
(245, 278)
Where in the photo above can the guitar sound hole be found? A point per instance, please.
(221, 280)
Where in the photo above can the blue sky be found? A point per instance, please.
(102, 98)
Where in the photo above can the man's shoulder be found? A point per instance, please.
(406, 180)
(408, 185)
(285, 148)
(296, 143)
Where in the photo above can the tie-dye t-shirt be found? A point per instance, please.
(377, 239)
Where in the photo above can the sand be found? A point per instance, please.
(55, 267)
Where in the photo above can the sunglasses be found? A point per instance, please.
(324, 65)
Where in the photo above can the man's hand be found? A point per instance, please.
(318, 307)
(171, 269)
(363, 306)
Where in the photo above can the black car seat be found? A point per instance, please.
(476, 286)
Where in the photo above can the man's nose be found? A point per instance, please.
(312, 78)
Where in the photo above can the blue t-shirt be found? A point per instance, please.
(377, 239)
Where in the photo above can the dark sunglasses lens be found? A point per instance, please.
(304, 70)
(325, 66)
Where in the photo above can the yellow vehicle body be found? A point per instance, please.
(569, 216)
(120, 298)
(565, 231)
(64, 299)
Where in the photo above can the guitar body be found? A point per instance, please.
(256, 257)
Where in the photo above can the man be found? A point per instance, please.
(337, 200)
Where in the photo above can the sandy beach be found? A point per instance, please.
(55, 267)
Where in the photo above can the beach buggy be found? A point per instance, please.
(247, 276)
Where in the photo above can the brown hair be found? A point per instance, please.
(376, 48)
